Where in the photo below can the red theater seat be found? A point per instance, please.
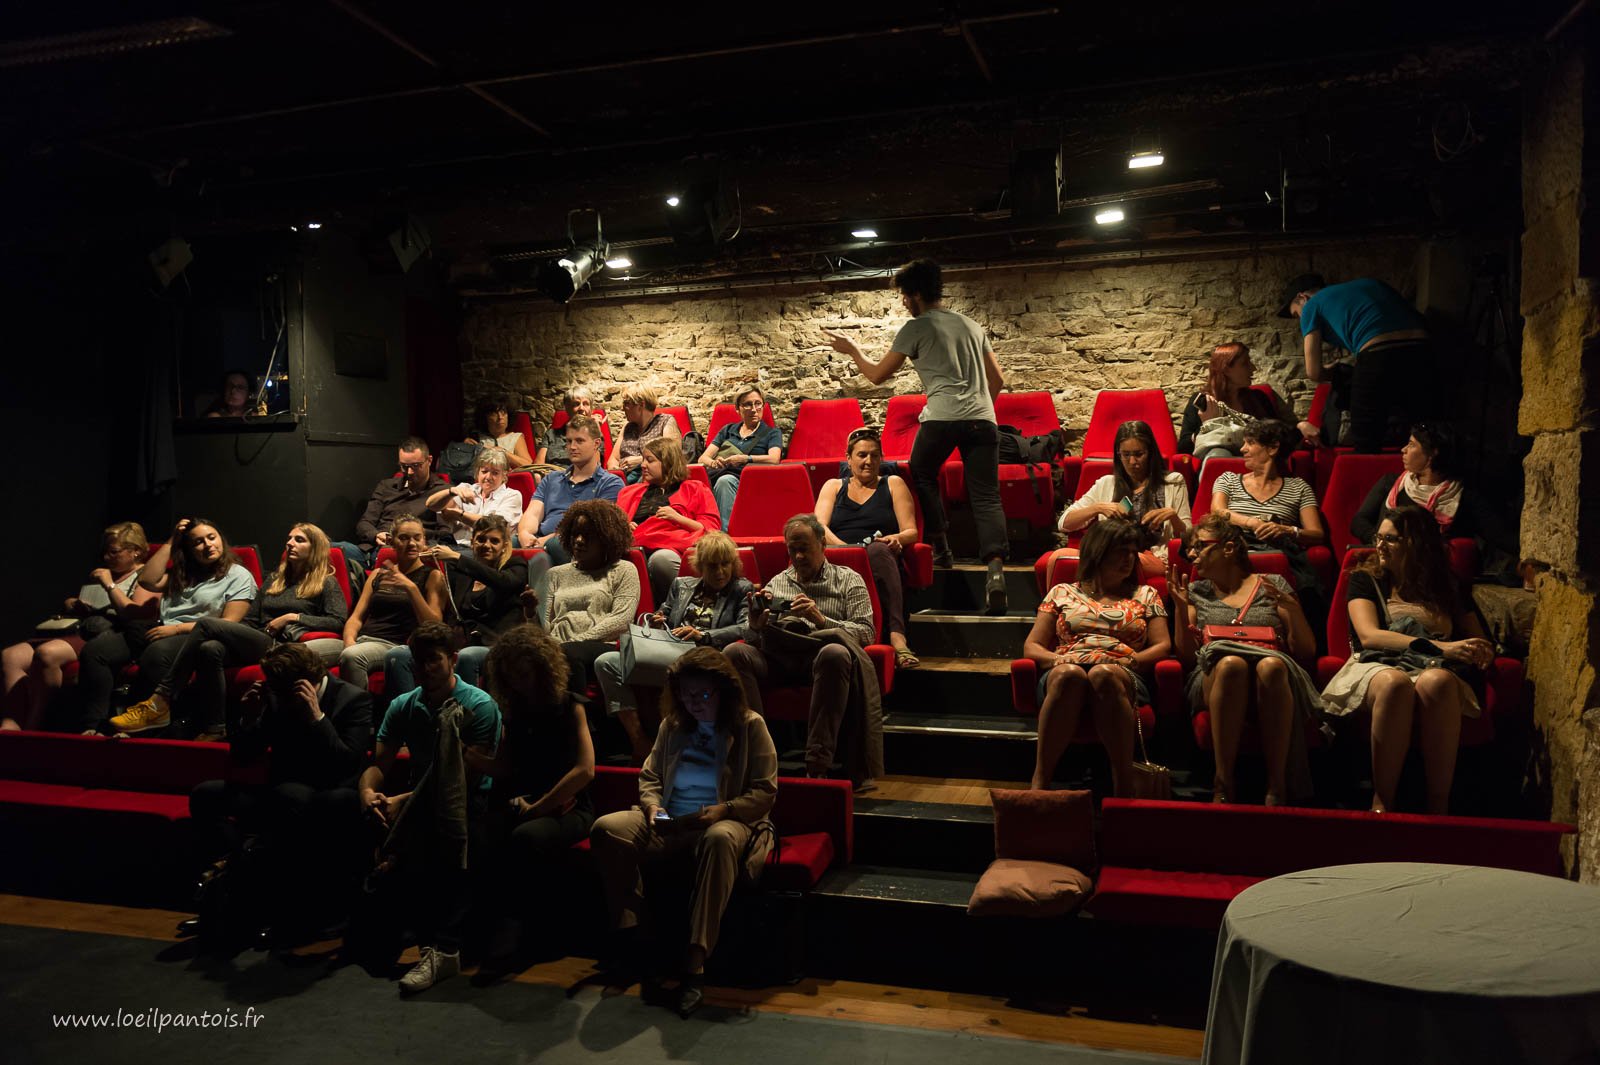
(820, 430)
(559, 419)
(522, 422)
(680, 415)
(522, 481)
(768, 497)
(1025, 495)
(250, 559)
(1349, 482)
(747, 563)
(1200, 505)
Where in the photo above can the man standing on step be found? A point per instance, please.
(961, 377)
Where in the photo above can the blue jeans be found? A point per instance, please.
(354, 551)
(725, 488)
(399, 677)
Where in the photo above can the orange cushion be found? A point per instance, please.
(1044, 826)
(1013, 888)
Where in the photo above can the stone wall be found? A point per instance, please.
(1561, 411)
(1068, 331)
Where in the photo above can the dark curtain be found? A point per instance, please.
(433, 365)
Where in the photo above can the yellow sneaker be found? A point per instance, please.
(142, 717)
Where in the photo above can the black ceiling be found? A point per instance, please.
(490, 121)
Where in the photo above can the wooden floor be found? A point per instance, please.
(938, 789)
(836, 999)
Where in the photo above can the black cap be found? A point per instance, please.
(1303, 283)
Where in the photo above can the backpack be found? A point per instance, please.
(457, 459)
(1044, 450)
(694, 445)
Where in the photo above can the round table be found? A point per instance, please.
(1404, 962)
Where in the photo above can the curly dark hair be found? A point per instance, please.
(710, 663)
(526, 670)
(921, 277)
(1439, 441)
(1103, 538)
(607, 524)
(1224, 532)
(1425, 576)
(487, 406)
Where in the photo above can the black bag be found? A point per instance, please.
(457, 459)
(1044, 450)
(694, 445)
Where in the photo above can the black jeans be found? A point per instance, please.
(979, 444)
(209, 647)
(1390, 391)
(102, 659)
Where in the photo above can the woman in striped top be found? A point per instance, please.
(1276, 511)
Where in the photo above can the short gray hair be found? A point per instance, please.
(805, 521)
(492, 457)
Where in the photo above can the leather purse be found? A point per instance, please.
(1259, 635)
(647, 652)
(1150, 781)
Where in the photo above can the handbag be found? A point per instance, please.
(57, 626)
(647, 652)
(1150, 781)
(1258, 635)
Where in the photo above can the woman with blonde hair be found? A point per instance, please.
(667, 512)
(644, 424)
(302, 596)
(109, 598)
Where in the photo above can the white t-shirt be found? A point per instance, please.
(947, 351)
(504, 501)
(1104, 491)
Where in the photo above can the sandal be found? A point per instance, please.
(906, 658)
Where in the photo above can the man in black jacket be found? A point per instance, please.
(395, 497)
(295, 834)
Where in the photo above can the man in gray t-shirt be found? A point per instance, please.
(961, 377)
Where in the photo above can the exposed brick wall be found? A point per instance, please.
(1064, 330)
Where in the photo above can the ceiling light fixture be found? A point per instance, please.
(560, 279)
(673, 201)
(1143, 160)
(313, 225)
(1109, 216)
(621, 262)
(864, 234)
(1145, 150)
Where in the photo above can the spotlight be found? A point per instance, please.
(622, 262)
(1109, 216)
(709, 216)
(1145, 151)
(313, 225)
(560, 279)
(673, 201)
(864, 234)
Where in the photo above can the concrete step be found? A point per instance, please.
(961, 686)
(961, 589)
(954, 634)
(924, 835)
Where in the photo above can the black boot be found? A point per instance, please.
(994, 588)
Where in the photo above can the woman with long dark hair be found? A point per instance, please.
(205, 581)
(1140, 488)
(493, 429)
(399, 595)
(1415, 656)
(707, 788)
(1095, 641)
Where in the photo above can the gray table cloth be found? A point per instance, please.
(1403, 962)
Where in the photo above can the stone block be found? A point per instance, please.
(1550, 254)
(1561, 364)
(1561, 503)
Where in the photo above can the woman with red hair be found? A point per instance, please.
(1227, 384)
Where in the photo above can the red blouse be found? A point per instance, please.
(692, 500)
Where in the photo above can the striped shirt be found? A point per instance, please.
(1283, 507)
(840, 594)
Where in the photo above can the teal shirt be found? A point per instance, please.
(1351, 314)
(412, 724)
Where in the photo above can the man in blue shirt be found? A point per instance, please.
(1393, 381)
(435, 890)
(585, 479)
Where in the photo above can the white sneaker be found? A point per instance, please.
(435, 966)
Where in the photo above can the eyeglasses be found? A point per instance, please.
(754, 404)
(409, 466)
(1127, 455)
(1198, 547)
(864, 433)
(700, 695)
(1386, 538)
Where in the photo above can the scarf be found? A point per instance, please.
(1440, 500)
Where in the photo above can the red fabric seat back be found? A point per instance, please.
(1200, 506)
(171, 767)
(1352, 478)
(522, 422)
(680, 415)
(1113, 406)
(614, 788)
(341, 573)
(250, 559)
(726, 414)
(747, 565)
(527, 554)
(768, 497)
(647, 601)
(1031, 413)
(1093, 470)
(821, 427)
(54, 758)
(522, 481)
(698, 473)
(856, 559)
(1052, 569)
(1270, 841)
(900, 425)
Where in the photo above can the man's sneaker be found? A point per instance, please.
(435, 966)
(142, 717)
(943, 557)
(994, 589)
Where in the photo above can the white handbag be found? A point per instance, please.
(647, 652)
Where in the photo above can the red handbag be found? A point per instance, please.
(1259, 635)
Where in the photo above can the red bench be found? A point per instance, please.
(1181, 863)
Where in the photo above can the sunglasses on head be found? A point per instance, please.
(864, 433)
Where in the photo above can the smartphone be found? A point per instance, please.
(662, 815)
(1126, 504)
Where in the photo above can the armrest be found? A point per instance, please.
(1025, 685)
(308, 637)
(882, 656)
(1168, 701)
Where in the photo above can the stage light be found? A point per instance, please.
(1109, 216)
(673, 201)
(864, 234)
(622, 262)
(560, 279)
(313, 225)
(1145, 150)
